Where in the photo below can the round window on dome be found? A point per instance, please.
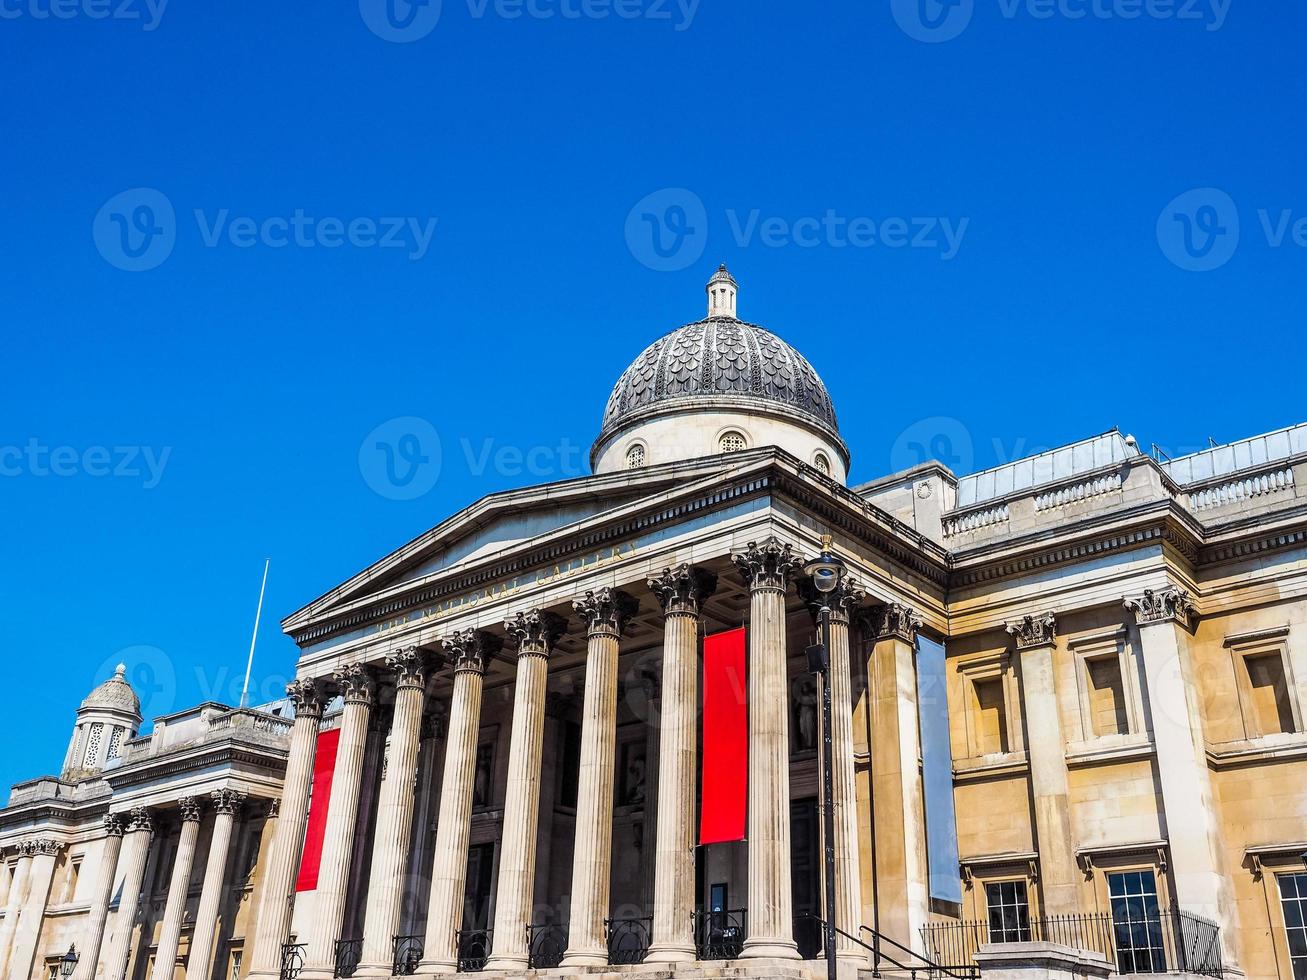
(732, 442)
(822, 464)
(635, 457)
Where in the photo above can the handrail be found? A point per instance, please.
(926, 964)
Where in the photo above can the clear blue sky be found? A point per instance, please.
(1056, 142)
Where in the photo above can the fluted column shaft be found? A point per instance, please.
(390, 844)
(199, 961)
(342, 817)
(848, 877)
(98, 916)
(165, 959)
(681, 591)
(272, 925)
(767, 568)
(469, 650)
(535, 633)
(14, 903)
(135, 855)
(28, 930)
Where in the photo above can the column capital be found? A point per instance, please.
(891, 621)
(274, 808)
(535, 632)
(140, 820)
(114, 824)
(605, 611)
(47, 846)
(227, 802)
(471, 649)
(356, 683)
(191, 809)
(308, 696)
(683, 589)
(1030, 632)
(1167, 605)
(411, 667)
(767, 564)
(843, 601)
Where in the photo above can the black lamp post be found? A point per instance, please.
(826, 573)
(68, 962)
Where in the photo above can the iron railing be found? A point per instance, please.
(628, 939)
(292, 960)
(905, 962)
(348, 954)
(545, 945)
(408, 952)
(473, 949)
(1147, 942)
(720, 935)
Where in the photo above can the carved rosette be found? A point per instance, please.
(843, 600)
(114, 824)
(471, 650)
(190, 809)
(893, 621)
(1033, 631)
(767, 565)
(606, 611)
(535, 632)
(308, 696)
(227, 801)
(356, 684)
(411, 667)
(683, 589)
(140, 819)
(1163, 606)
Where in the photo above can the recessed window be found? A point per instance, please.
(1107, 707)
(822, 464)
(1293, 900)
(732, 442)
(1271, 706)
(635, 456)
(991, 716)
(1137, 922)
(1009, 911)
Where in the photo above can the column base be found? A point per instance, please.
(771, 949)
(585, 957)
(375, 971)
(318, 973)
(506, 964)
(671, 953)
(435, 968)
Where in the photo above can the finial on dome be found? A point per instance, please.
(722, 293)
(120, 671)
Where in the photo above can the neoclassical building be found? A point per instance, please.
(574, 728)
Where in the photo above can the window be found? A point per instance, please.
(991, 716)
(1263, 673)
(52, 970)
(733, 442)
(821, 463)
(235, 972)
(635, 457)
(70, 883)
(1107, 709)
(1293, 900)
(1271, 708)
(115, 744)
(93, 746)
(1009, 912)
(1136, 922)
(988, 699)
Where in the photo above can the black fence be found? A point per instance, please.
(545, 945)
(292, 960)
(473, 949)
(1150, 942)
(408, 955)
(348, 954)
(720, 935)
(628, 940)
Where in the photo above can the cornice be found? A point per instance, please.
(269, 759)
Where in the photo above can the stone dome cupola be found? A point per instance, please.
(719, 385)
(109, 717)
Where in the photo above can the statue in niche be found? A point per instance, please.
(803, 712)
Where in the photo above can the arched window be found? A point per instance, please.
(822, 464)
(732, 442)
(635, 456)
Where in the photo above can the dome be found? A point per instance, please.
(115, 694)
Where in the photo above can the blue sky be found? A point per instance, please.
(166, 430)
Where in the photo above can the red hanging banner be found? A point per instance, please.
(324, 767)
(725, 785)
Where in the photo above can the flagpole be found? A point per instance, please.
(249, 663)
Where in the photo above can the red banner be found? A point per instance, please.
(725, 786)
(324, 767)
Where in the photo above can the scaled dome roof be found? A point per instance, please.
(115, 693)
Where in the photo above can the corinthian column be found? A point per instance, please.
(199, 961)
(767, 568)
(272, 924)
(682, 591)
(469, 650)
(535, 634)
(114, 827)
(390, 845)
(14, 902)
(844, 798)
(136, 852)
(170, 934)
(605, 614)
(359, 691)
(45, 853)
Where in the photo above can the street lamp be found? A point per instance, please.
(826, 572)
(68, 962)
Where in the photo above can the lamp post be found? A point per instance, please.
(826, 572)
(68, 962)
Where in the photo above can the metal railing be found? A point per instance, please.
(903, 960)
(545, 946)
(292, 960)
(720, 935)
(628, 939)
(408, 952)
(473, 949)
(348, 954)
(1146, 942)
